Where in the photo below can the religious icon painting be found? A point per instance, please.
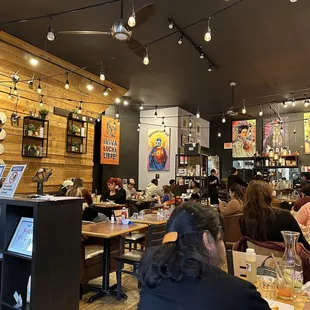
(158, 150)
(243, 138)
(307, 132)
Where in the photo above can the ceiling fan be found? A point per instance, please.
(121, 31)
(232, 111)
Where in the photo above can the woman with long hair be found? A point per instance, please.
(262, 222)
(184, 273)
(235, 203)
(78, 190)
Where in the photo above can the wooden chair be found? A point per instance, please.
(232, 229)
(155, 237)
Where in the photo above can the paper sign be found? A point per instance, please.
(228, 146)
(23, 236)
(12, 180)
(2, 167)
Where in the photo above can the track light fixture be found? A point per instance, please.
(117, 114)
(50, 31)
(146, 59)
(208, 35)
(10, 93)
(132, 17)
(39, 89)
(41, 101)
(67, 86)
(198, 113)
(102, 76)
(223, 119)
(155, 113)
(306, 103)
(106, 92)
(261, 111)
(90, 86)
(171, 24)
(180, 41)
(117, 100)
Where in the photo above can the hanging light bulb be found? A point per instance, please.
(295, 131)
(118, 122)
(50, 31)
(102, 76)
(99, 118)
(139, 124)
(67, 86)
(141, 107)
(39, 89)
(146, 59)
(90, 86)
(132, 17)
(80, 107)
(117, 114)
(163, 123)
(171, 24)
(190, 134)
(117, 100)
(155, 113)
(126, 102)
(306, 103)
(261, 111)
(105, 93)
(219, 134)
(15, 90)
(208, 35)
(284, 104)
(41, 102)
(198, 113)
(223, 119)
(202, 56)
(190, 124)
(138, 128)
(180, 41)
(10, 93)
(243, 110)
(293, 1)
(210, 68)
(114, 125)
(33, 61)
(281, 130)
(293, 103)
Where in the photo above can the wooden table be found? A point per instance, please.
(150, 219)
(106, 231)
(107, 205)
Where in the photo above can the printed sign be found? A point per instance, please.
(2, 167)
(23, 236)
(12, 180)
(110, 141)
(228, 146)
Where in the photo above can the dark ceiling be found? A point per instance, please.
(262, 45)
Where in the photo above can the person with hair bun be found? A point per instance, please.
(115, 191)
(184, 273)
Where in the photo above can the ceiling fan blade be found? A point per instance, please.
(84, 32)
(145, 13)
(136, 47)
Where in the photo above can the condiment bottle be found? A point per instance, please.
(251, 268)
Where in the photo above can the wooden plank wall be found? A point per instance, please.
(64, 165)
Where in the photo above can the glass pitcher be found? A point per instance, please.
(291, 257)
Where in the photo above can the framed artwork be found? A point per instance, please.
(307, 132)
(183, 139)
(198, 129)
(158, 150)
(184, 122)
(243, 138)
(275, 135)
(191, 139)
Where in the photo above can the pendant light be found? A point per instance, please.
(50, 31)
(208, 35)
(146, 59)
(67, 86)
(132, 17)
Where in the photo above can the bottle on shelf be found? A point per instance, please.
(251, 268)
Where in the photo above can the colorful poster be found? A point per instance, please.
(110, 141)
(244, 138)
(158, 150)
(275, 134)
(12, 180)
(307, 132)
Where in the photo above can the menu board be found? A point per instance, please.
(23, 237)
(12, 180)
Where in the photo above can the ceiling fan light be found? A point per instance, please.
(120, 32)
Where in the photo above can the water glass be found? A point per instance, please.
(267, 286)
(285, 279)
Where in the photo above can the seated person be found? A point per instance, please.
(152, 189)
(303, 215)
(262, 222)
(130, 189)
(196, 192)
(77, 190)
(64, 188)
(235, 203)
(188, 264)
(304, 199)
(166, 195)
(115, 191)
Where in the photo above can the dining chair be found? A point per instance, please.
(155, 237)
(232, 229)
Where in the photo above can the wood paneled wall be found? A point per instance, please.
(13, 57)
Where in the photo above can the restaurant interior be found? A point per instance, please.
(139, 136)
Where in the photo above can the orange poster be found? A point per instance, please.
(110, 141)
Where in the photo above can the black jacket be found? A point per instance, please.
(119, 197)
(232, 179)
(219, 291)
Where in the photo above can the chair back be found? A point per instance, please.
(232, 228)
(156, 234)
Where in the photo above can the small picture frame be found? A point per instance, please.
(183, 139)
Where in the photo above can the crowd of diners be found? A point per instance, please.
(189, 261)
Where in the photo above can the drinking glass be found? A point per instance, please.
(267, 286)
(285, 279)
